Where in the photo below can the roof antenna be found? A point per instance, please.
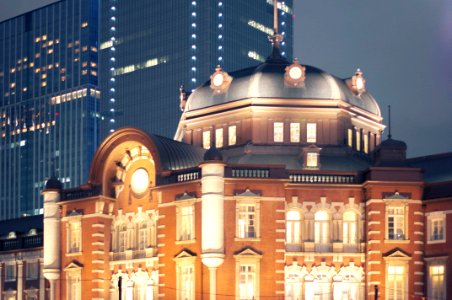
(389, 121)
(276, 38)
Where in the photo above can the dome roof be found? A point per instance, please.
(53, 184)
(266, 80)
(213, 154)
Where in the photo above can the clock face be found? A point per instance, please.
(295, 72)
(218, 79)
(139, 181)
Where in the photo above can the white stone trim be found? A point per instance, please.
(98, 225)
(374, 223)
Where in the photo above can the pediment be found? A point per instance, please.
(185, 253)
(73, 265)
(397, 253)
(248, 252)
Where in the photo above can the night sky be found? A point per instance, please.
(403, 47)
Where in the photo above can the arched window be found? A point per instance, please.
(350, 232)
(293, 227)
(321, 227)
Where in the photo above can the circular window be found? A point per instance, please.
(218, 79)
(295, 73)
(140, 181)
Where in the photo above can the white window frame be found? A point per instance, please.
(244, 222)
(398, 223)
(311, 132)
(295, 132)
(185, 220)
(73, 284)
(433, 219)
(232, 135)
(185, 262)
(322, 228)
(293, 227)
(32, 270)
(391, 284)
(74, 234)
(278, 132)
(441, 292)
(219, 138)
(250, 260)
(350, 228)
(312, 159)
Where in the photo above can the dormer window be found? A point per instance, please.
(311, 132)
(278, 132)
(206, 139)
(311, 157)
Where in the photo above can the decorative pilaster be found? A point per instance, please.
(42, 287)
(20, 279)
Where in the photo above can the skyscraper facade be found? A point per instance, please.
(149, 48)
(48, 101)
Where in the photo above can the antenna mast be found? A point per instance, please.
(276, 38)
(389, 122)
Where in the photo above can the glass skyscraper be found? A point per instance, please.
(149, 48)
(49, 101)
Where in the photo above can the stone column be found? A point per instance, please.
(1, 279)
(212, 220)
(20, 279)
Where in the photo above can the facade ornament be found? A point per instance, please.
(220, 81)
(295, 74)
(358, 83)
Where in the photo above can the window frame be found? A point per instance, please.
(247, 202)
(278, 132)
(182, 205)
(206, 139)
(295, 131)
(232, 135)
(10, 276)
(74, 234)
(219, 142)
(436, 262)
(431, 219)
(311, 132)
(397, 218)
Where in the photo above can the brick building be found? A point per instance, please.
(278, 185)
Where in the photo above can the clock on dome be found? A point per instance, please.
(139, 181)
(295, 74)
(220, 81)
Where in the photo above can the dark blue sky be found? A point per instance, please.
(404, 48)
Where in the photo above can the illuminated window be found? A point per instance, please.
(247, 220)
(350, 224)
(74, 236)
(122, 238)
(312, 160)
(366, 143)
(247, 281)
(294, 132)
(219, 137)
(84, 24)
(232, 138)
(10, 272)
(44, 83)
(31, 269)
(436, 227)
(293, 276)
(73, 285)
(311, 132)
(186, 222)
(293, 227)
(321, 227)
(350, 137)
(436, 285)
(395, 222)
(185, 276)
(358, 140)
(278, 132)
(396, 282)
(206, 139)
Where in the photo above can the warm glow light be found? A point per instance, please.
(140, 181)
(218, 80)
(295, 73)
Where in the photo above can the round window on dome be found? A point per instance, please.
(139, 181)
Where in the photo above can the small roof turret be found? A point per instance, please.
(53, 184)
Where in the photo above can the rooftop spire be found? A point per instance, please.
(389, 122)
(276, 38)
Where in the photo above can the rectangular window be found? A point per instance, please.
(187, 282)
(186, 226)
(396, 222)
(294, 132)
(74, 237)
(232, 138)
(436, 287)
(142, 236)
(247, 282)
(122, 238)
(436, 227)
(278, 132)
(246, 221)
(73, 287)
(206, 139)
(366, 143)
(10, 272)
(396, 283)
(358, 140)
(32, 270)
(312, 160)
(219, 137)
(311, 132)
